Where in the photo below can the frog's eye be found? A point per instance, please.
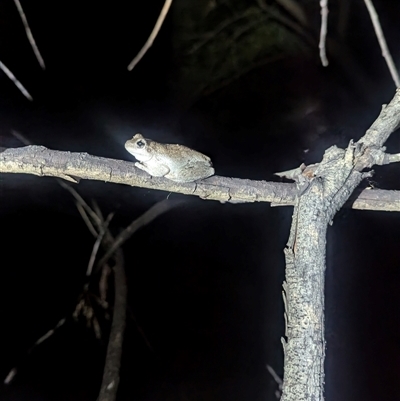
(140, 144)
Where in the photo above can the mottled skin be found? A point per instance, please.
(175, 162)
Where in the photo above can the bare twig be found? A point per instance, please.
(29, 34)
(111, 377)
(141, 331)
(97, 211)
(96, 219)
(388, 158)
(86, 219)
(47, 335)
(146, 218)
(97, 243)
(382, 42)
(295, 10)
(16, 82)
(13, 372)
(211, 35)
(207, 90)
(274, 375)
(103, 282)
(324, 29)
(152, 36)
(243, 29)
(10, 376)
(110, 382)
(287, 22)
(278, 380)
(21, 137)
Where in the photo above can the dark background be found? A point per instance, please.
(210, 303)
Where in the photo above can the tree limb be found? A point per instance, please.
(321, 195)
(41, 161)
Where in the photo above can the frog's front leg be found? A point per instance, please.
(155, 171)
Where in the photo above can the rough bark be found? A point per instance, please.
(320, 197)
(70, 166)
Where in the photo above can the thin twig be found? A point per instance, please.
(382, 42)
(274, 375)
(211, 35)
(295, 10)
(97, 243)
(324, 29)
(97, 210)
(16, 82)
(47, 335)
(287, 22)
(143, 220)
(29, 34)
(21, 138)
(152, 36)
(103, 282)
(111, 375)
(80, 200)
(86, 219)
(140, 330)
(12, 373)
(278, 380)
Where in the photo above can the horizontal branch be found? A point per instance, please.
(41, 161)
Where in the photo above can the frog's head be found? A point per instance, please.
(139, 147)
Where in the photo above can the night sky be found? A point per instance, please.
(205, 316)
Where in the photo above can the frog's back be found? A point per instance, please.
(183, 154)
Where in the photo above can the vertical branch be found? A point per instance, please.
(304, 350)
(324, 30)
(111, 375)
(321, 195)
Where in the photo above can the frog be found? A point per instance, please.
(172, 161)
